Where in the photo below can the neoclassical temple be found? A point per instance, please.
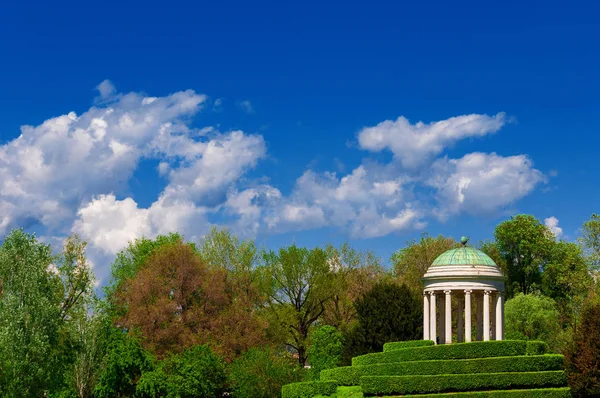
(470, 278)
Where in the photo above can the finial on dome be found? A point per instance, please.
(464, 240)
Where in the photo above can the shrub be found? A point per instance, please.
(449, 383)
(398, 345)
(196, 372)
(477, 349)
(325, 351)
(350, 375)
(308, 389)
(259, 373)
(583, 355)
(532, 317)
(536, 393)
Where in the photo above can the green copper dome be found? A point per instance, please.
(463, 256)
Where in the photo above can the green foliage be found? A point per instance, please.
(350, 375)
(398, 345)
(388, 312)
(525, 245)
(535, 393)
(449, 383)
(583, 354)
(325, 351)
(590, 241)
(196, 372)
(260, 373)
(476, 349)
(123, 365)
(532, 317)
(220, 248)
(308, 389)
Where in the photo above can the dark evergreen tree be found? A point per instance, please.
(388, 312)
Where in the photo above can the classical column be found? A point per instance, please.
(425, 316)
(460, 331)
(479, 316)
(499, 317)
(486, 315)
(493, 298)
(442, 312)
(448, 317)
(468, 315)
(432, 317)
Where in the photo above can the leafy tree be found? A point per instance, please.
(525, 245)
(583, 355)
(196, 372)
(260, 373)
(325, 351)
(388, 312)
(122, 366)
(532, 317)
(300, 287)
(354, 274)
(590, 241)
(411, 262)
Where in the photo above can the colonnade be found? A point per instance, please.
(489, 315)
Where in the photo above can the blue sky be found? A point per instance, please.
(306, 122)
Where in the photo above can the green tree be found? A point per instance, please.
(325, 351)
(532, 317)
(388, 312)
(299, 287)
(590, 241)
(196, 372)
(411, 262)
(525, 245)
(582, 357)
(260, 373)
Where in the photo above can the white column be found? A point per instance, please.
(468, 316)
(486, 315)
(442, 312)
(432, 317)
(493, 299)
(499, 317)
(460, 331)
(448, 317)
(479, 316)
(425, 316)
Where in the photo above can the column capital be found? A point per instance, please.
(432, 293)
(425, 293)
(487, 292)
(468, 291)
(447, 292)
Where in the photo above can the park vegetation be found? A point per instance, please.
(223, 316)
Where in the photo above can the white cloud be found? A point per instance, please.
(246, 106)
(413, 144)
(552, 224)
(106, 89)
(480, 183)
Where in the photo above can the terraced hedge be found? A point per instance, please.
(537, 393)
(379, 385)
(397, 345)
(350, 375)
(308, 389)
(476, 349)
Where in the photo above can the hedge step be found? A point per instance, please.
(403, 385)
(564, 392)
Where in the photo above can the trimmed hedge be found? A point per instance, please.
(377, 385)
(537, 393)
(536, 348)
(308, 389)
(476, 349)
(350, 375)
(397, 345)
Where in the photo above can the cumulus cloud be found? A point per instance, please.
(552, 224)
(481, 183)
(413, 144)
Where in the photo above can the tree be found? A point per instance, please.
(525, 245)
(354, 274)
(388, 312)
(582, 357)
(196, 372)
(411, 262)
(175, 301)
(325, 351)
(532, 317)
(261, 372)
(300, 285)
(590, 241)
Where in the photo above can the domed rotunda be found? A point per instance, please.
(469, 277)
